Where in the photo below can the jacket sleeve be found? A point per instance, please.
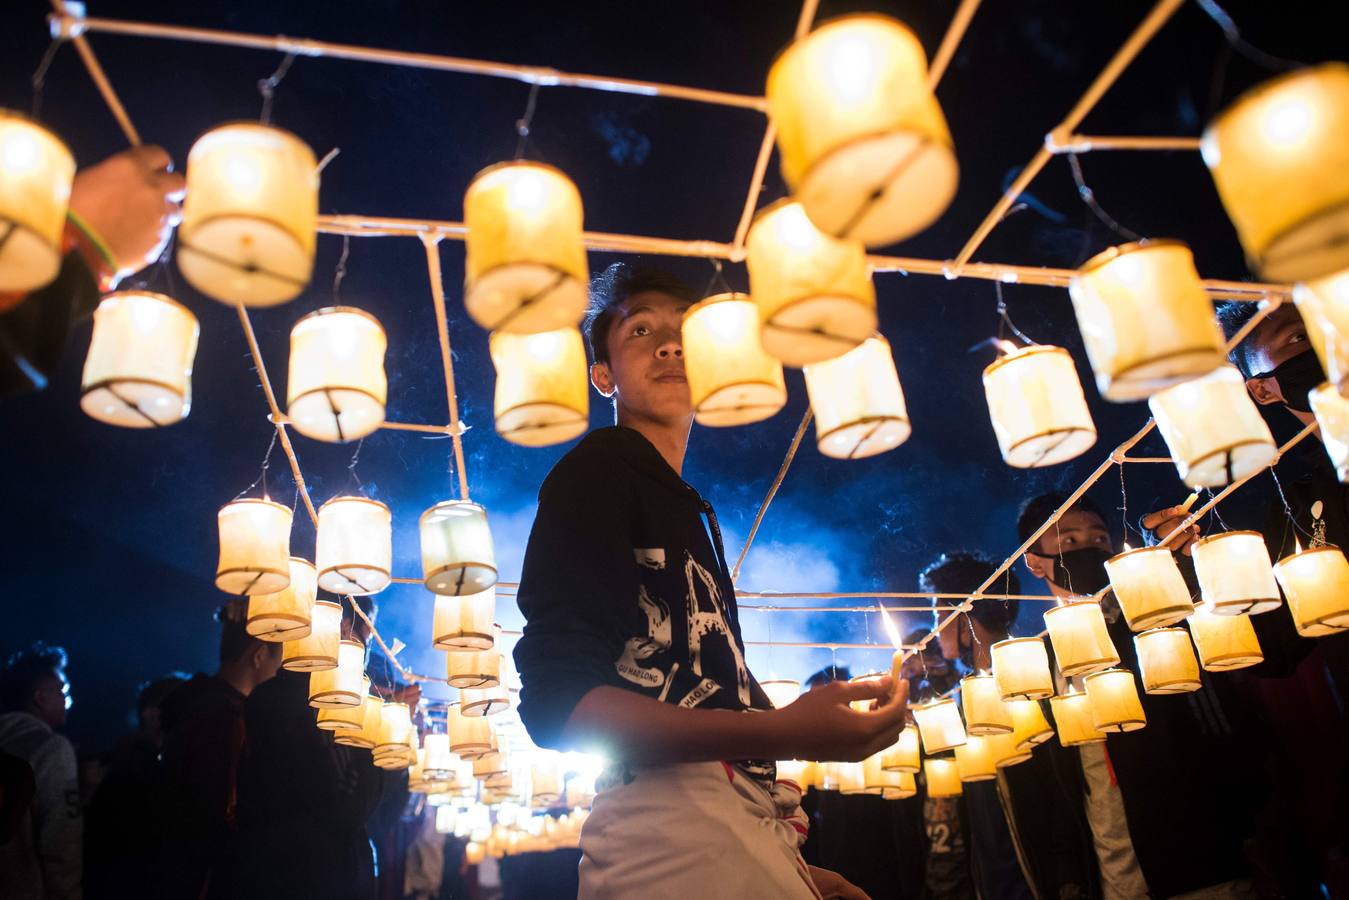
(57, 821)
(578, 581)
(34, 329)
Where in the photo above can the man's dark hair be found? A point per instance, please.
(23, 670)
(235, 641)
(962, 573)
(1036, 510)
(828, 675)
(150, 694)
(610, 288)
(1233, 316)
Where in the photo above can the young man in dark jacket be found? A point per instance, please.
(632, 645)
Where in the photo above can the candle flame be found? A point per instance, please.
(1127, 548)
(890, 628)
(1297, 544)
(1005, 346)
(1189, 501)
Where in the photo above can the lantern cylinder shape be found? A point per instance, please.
(470, 736)
(1039, 412)
(1021, 669)
(864, 144)
(343, 718)
(940, 725)
(974, 760)
(318, 649)
(781, 691)
(1166, 661)
(525, 264)
(36, 173)
(1224, 642)
(543, 386)
(344, 685)
(1081, 642)
(904, 755)
(1146, 321)
(793, 770)
(858, 402)
(1029, 726)
(438, 761)
(874, 776)
(1324, 307)
(865, 705)
(138, 371)
(464, 622)
(254, 547)
(487, 701)
(942, 776)
(732, 380)
(1112, 697)
(493, 763)
(395, 724)
(457, 552)
(1149, 587)
(849, 778)
(814, 292)
(364, 738)
(1213, 429)
(1235, 574)
(285, 615)
(985, 711)
(905, 786)
(336, 388)
(1005, 749)
(355, 546)
(545, 783)
(1316, 583)
(1280, 158)
(1073, 721)
(250, 214)
(1332, 414)
(476, 668)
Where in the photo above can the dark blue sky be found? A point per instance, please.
(110, 547)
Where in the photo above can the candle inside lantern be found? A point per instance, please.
(457, 552)
(939, 725)
(1316, 583)
(1021, 669)
(1332, 415)
(857, 402)
(904, 755)
(1039, 412)
(138, 371)
(942, 776)
(254, 547)
(343, 685)
(863, 142)
(1146, 320)
(1073, 721)
(355, 546)
(1029, 726)
(781, 691)
(1112, 697)
(1213, 429)
(1224, 642)
(285, 615)
(1235, 574)
(814, 292)
(1166, 661)
(318, 649)
(464, 622)
(974, 760)
(985, 712)
(543, 386)
(1149, 587)
(732, 380)
(1081, 642)
(336, 388)
(36, 173)
(250, 215)
(524, 265)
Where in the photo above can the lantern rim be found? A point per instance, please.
(264, 500)
(1066, 604)
(1050, 457)
(1301, 553)
(572, 426)
(1169, 686)
(310, 662)
(276, 627)
(336, 699)
(149, 295)
(713, 299)
(902, 422)
(1020, 640)
(294, 283)
(52, 248)
(345, 498)
(563, 279)
(1110, 254)
(1161, 618)
(255, 125)
(460, 504)
(520, 164)
(335, 311)
(1139, 550)
(757, 412)
(1227, 451)
(835, 21)
(940, 701)
(1222, 534)
(184, 398)
(441, 642)
(352, 740)
(1024, 352)
(481, 709)
(257, 571)
(9, 112)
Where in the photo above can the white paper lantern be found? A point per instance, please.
(1113, 699)
(138, 371)
(285, 615)
(355, 546)
(1081, 640)
(1021, 669)
(464, 622)
(1039, 412)
(1166, 661)
(1224, 642)
(1213, 430)
(857, 402)
(1235, 574)
(1316, 583)
(940, 725)
(985, 712)
(36, 173)
(336, 388)
(457, 552)
(1149, 587)
(254, 547)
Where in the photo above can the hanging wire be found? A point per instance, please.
(39, 79)
(523, 123)
(351, 466)
(1288, 510)
(1241, 45)
(341, 271)
(262, 474)
(1123, 501)
(1218, 517)
(718, 279)
(267, 86)
(1089, 197)
(1005, 322)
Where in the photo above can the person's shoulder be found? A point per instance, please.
(601, 456)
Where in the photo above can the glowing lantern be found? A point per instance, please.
(815, 296)
(284, 615)
(476, 668)
(470, 736)
(1332, 414)
(493, 763)
(864, 705)
(254, 547)
(793, 770)
(905, 786)
(1213, 429)
(985, 711)
(340, 686)
(545, 782)
(1081, 642)
(1021, 669)
(1166, 661)
(1278, 158)
(849, 778)
(395, 724)
(904, 754)
(473, 853)
(1112, 697)
(543, 386)
(875, 778)
(343, 718)
(138, 372)
(438, 760)
(336, 387)
(457, 552)
(250, 215)
(1316, 583)
(368, 734)
(781, 691)
(1072, 718)
(1224, 641)
(1324, 306)
(1039, 412)
(864, 144)
(1029, 726)
(1145, 319)
(940, 725)
(942, 776)
(464, 622)
(974, 760)
(1149, 587)
(1235, 574)
(318, 649)
(36, 172)
(732, 381)
(525, 265)
(1006, 750)
(355, 545)
(858, 402)
(487, 701)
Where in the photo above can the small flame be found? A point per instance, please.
(890, 628)
(1297, 544)
(1006, 346)
(1189, 501)
(1127, 548)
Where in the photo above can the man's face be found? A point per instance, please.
(51, 698)
(1277, 339)
(1076, 530)
(645, 372)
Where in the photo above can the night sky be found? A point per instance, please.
(110, 542)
